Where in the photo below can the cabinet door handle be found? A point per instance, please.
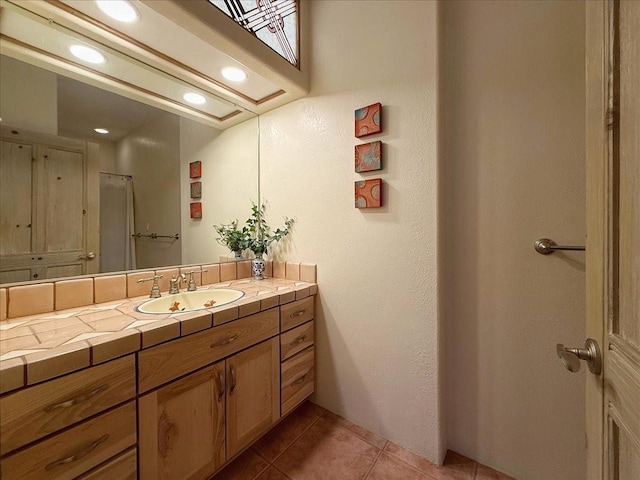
(232, 372)
(298, 313)
(77, 456)
(220, 385)
(226, 341)
(302, 378)
(77, 400)
(298, 340)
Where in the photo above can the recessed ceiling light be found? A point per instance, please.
(120, 10)
(194, 98)
(234, 74)
(102, 131)
(87, 54)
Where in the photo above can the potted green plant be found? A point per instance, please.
(233, 238)
(260, 237)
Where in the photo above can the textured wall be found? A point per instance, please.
(377, 320)
(229, 183)
(512, 172)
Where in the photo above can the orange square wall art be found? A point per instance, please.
(195, 169)
(369, 157)
(369, 193)
(369, 120)
(196, 210)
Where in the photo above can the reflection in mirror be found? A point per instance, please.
(68, 192)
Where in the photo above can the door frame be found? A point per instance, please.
(598, 219)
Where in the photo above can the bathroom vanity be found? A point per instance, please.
(198, 390)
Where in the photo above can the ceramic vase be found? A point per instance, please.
(258, 265)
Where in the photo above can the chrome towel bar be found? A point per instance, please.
(546, 246)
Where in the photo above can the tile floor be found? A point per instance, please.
(315, 444)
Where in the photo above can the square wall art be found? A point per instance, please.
(369, 157)
(196, 210)
(369, 193)
(196, 189)
(369, 120)
(195, 169)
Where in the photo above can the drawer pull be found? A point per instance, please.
(220, 385)
(298, 340)
(298, 313)
(226, 341)
(232, 371)
(77, 456)
(77, 400)
(300, 380)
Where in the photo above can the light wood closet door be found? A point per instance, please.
(182, 427)
(613, 237)
(50, 206)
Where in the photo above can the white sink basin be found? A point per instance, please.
(190, 301)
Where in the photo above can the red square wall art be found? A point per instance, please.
(195, 169)
(196, 210)
(369, 120)
(369, 157)
(369, 193)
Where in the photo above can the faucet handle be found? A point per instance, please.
(155, 288)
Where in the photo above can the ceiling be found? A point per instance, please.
(143, 65)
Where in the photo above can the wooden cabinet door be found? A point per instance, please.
(253, 393)
(181, 425)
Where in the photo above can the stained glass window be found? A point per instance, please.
(274, 22)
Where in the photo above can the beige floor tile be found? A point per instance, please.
(285, 433)
(326, 451)
(363, 433)
(390, 468)
(246, 467)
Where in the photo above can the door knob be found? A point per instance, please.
(571, 356)
(88, 256)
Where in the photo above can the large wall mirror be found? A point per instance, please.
(67, 190)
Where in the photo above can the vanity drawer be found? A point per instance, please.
(298, 380)
(37, 411)
(123, 467)
(171, 360)
(296, 340)
(74, 452)
(296, 313)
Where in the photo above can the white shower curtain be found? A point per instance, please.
(117, 245)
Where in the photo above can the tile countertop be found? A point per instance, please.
(40, 347)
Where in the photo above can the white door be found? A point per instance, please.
(613, 237)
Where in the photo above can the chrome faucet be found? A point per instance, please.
(155, 289)
(174, 282)
(192, 283)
